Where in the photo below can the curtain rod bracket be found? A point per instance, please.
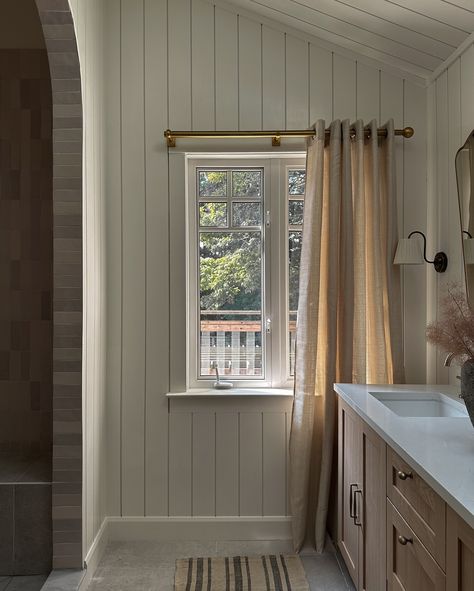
(276, 140)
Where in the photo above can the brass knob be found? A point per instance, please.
(404, 475)
(404, 541)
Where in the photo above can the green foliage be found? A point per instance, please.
(294, 248)
(213, 183)
(213, 215)
(230, 262)
(230, 268)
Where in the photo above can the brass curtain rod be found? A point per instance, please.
(172, 136)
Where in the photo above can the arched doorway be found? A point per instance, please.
(61, 46)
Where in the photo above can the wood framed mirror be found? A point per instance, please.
(465, 182)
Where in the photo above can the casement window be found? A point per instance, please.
(244, 220)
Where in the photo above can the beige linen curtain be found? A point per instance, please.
(349, 318)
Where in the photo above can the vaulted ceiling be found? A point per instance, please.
(415, 35)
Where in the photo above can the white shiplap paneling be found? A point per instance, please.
(226, 70)
(413, 35)
(320, 84)
(297, 83)
(250, 464)
(203, 90)
(157, 267)
(162, 460)
(250, 74)
(273, 79)
(451, 117)
(89, 23)
(134, 259)
(227, 463)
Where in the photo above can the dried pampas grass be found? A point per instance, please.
(455, 331)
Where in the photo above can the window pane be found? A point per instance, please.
(213, 215)
(295, 212)
(296, 182)
(246, 214)
(212, 183)
(294, 252)
(230, 273)
(247, 183)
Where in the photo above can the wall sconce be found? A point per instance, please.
(468, 248)
(409, 253)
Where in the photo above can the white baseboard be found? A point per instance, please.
(94, 555)
(198, 528)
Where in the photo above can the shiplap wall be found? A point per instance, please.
(187, 64)
(89, 24)
(451, 98)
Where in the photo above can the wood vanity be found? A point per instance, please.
(394, 531)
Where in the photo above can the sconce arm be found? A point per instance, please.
(424, 243)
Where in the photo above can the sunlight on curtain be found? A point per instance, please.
(349, 313)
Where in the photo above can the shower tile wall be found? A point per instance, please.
(25, 254)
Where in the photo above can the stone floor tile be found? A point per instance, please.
(323, 573)
(151, 554)
(345, 572)
(27, 583)
(149, 566)
(253, 547)
(160, 578)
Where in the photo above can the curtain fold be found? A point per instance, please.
(349, 312)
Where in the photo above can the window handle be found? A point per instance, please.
(268, 325)
(267, 218)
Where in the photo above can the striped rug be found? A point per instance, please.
(241, 573)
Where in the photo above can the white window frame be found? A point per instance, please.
(275, 247)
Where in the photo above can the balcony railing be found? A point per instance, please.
(236, 345)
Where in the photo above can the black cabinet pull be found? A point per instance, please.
(357, 517)
(351, 500)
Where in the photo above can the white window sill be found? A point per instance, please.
(232, 393)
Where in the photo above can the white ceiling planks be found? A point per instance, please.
(415, 35)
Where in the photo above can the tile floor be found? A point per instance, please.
(29, 583)
(149, 566)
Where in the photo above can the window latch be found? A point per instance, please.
(267, 218)
(268, 325)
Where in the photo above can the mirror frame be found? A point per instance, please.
(466, 282)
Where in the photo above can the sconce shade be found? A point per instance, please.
(408, 252)
(468, 246)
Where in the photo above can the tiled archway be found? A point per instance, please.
(60, 37)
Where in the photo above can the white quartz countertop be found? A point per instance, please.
(440, 449)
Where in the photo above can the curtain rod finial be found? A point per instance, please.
(170, 139)
(408, 132)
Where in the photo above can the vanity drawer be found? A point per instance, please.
(410, 567)
(418, 503)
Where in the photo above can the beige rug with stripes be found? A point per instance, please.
(241, 573)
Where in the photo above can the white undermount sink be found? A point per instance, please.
(421, 404)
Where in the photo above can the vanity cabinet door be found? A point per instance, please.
(361, 501)
(372, 554)
(349, 481)
(410, 567)
(459, 554)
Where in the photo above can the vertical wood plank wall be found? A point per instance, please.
(189, 64)
(452, 119)
(88, 18)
